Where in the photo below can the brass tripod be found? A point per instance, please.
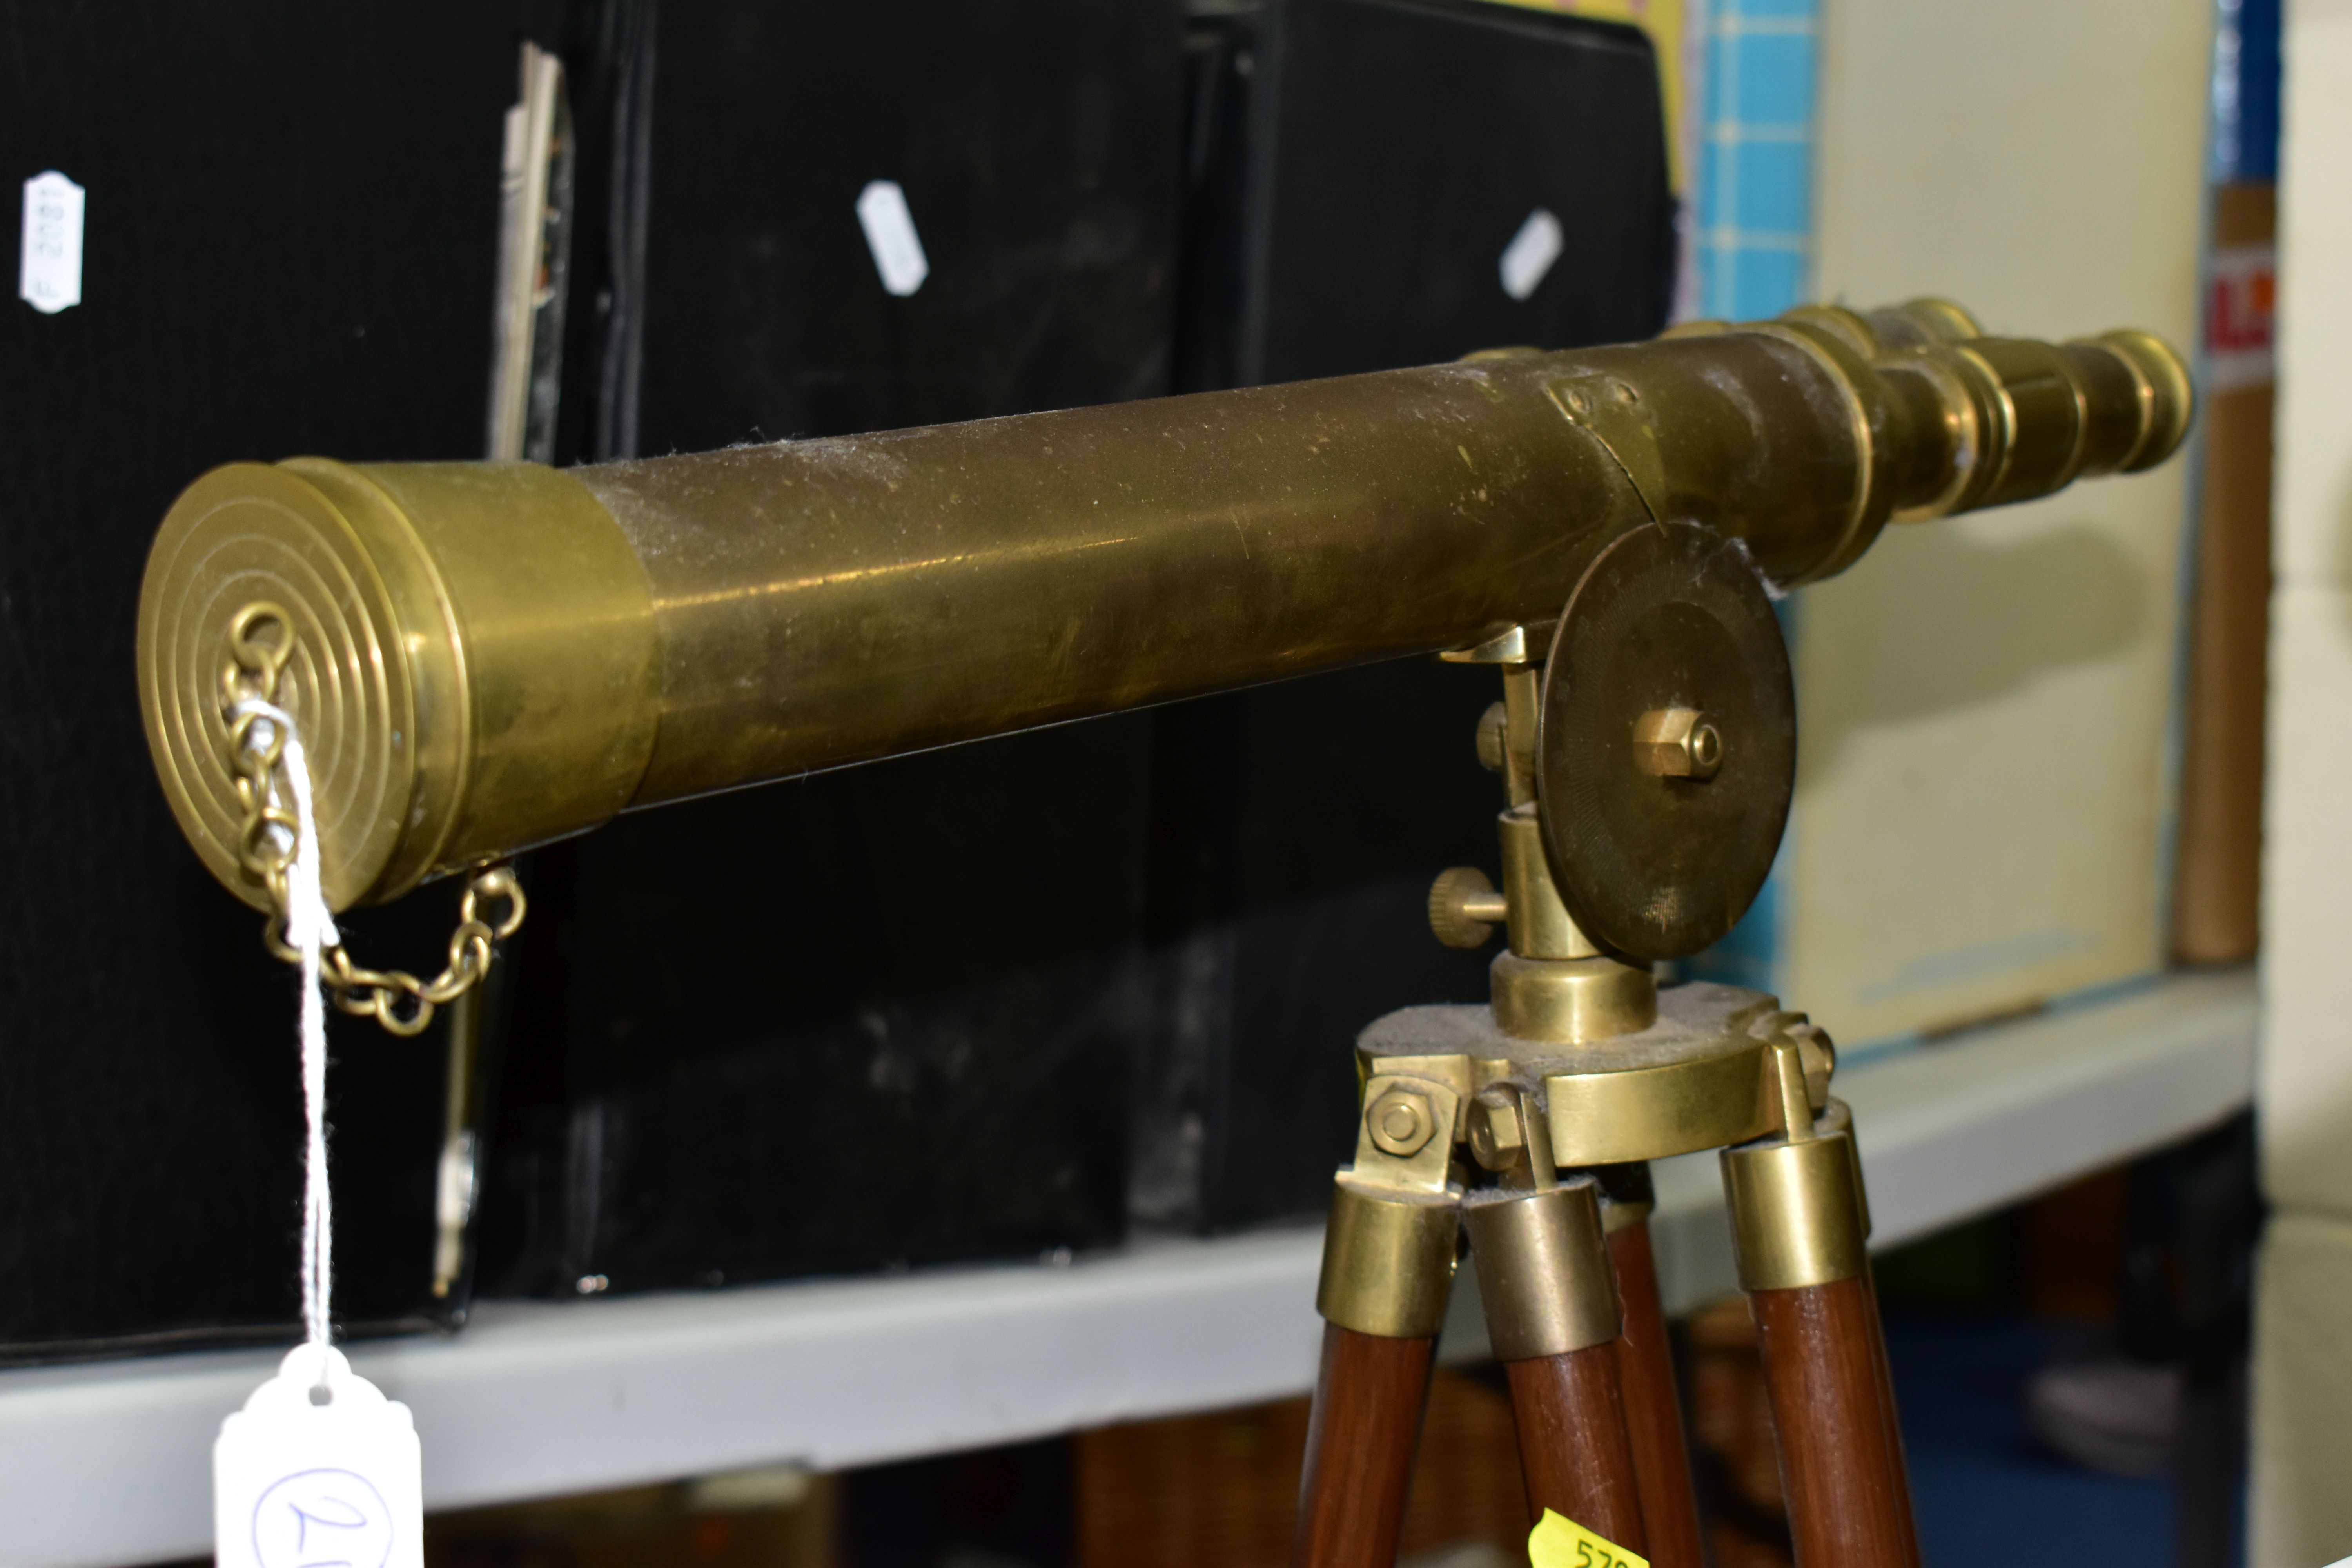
(1528, 1123)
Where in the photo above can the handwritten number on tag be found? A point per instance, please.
(304, 1485)
(322, 1519)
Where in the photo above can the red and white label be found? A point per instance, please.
(2241, 309)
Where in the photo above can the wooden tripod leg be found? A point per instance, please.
(1388, 1267)
(1842, 1465)
(1573, 1452)
(1799, 1220)
(1553, 1321)
(1369, 1399)
(1654, 1411)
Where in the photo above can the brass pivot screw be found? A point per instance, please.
(1816, 1055)
(1464, 907)
(1676, 743)
(1400, 1123)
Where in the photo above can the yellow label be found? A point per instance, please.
(1557, 1543)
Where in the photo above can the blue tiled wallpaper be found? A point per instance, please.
(1756, 168)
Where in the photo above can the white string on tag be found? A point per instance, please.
(318, 1467)
(311, 928)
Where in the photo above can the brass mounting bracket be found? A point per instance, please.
(1706, 1074)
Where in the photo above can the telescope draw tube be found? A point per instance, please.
(491, 656)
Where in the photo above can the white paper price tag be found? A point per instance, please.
(304, 1485)
(889, 227)
(49, 268)
(1531, 252)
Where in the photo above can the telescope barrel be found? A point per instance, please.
(489, 656)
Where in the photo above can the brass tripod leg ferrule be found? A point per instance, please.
(1797, 1209)
(1388, 1258)
(1543, 1269)
(1553, 1319)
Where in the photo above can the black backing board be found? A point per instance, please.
(1355, 169)
(883, 1016)
(291, 221)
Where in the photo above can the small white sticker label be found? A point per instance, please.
(1531, 252)
(890, 234)
(49, 272)
(304, 1485)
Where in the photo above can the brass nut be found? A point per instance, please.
(1677, 743)
(1490, 738)
(1464, 908)
(1495, 1135)
(1400, 1123)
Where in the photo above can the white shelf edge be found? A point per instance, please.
(108, 1463)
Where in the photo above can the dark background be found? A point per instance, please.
(292, 214)
(827, 1025)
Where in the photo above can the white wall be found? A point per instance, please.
(2301, 1505)
(1983, 801)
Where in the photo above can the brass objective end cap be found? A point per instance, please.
(474, 663)
(250, 534)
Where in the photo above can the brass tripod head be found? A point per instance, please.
(1552, 983)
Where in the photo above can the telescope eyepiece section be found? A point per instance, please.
(1984, 422)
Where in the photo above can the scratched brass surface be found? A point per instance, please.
(733, 617)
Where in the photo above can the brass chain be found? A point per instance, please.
(401, 1002)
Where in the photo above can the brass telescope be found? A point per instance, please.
(485, 657)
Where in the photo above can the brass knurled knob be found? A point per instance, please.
(1464, 908)
(1490, 738)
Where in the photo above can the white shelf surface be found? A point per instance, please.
(109, 1463)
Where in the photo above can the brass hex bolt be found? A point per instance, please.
(1400, 1123)
(1676, 743)
(1495, 1135)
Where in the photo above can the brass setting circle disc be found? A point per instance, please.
(248, 533)
(1671, 616)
